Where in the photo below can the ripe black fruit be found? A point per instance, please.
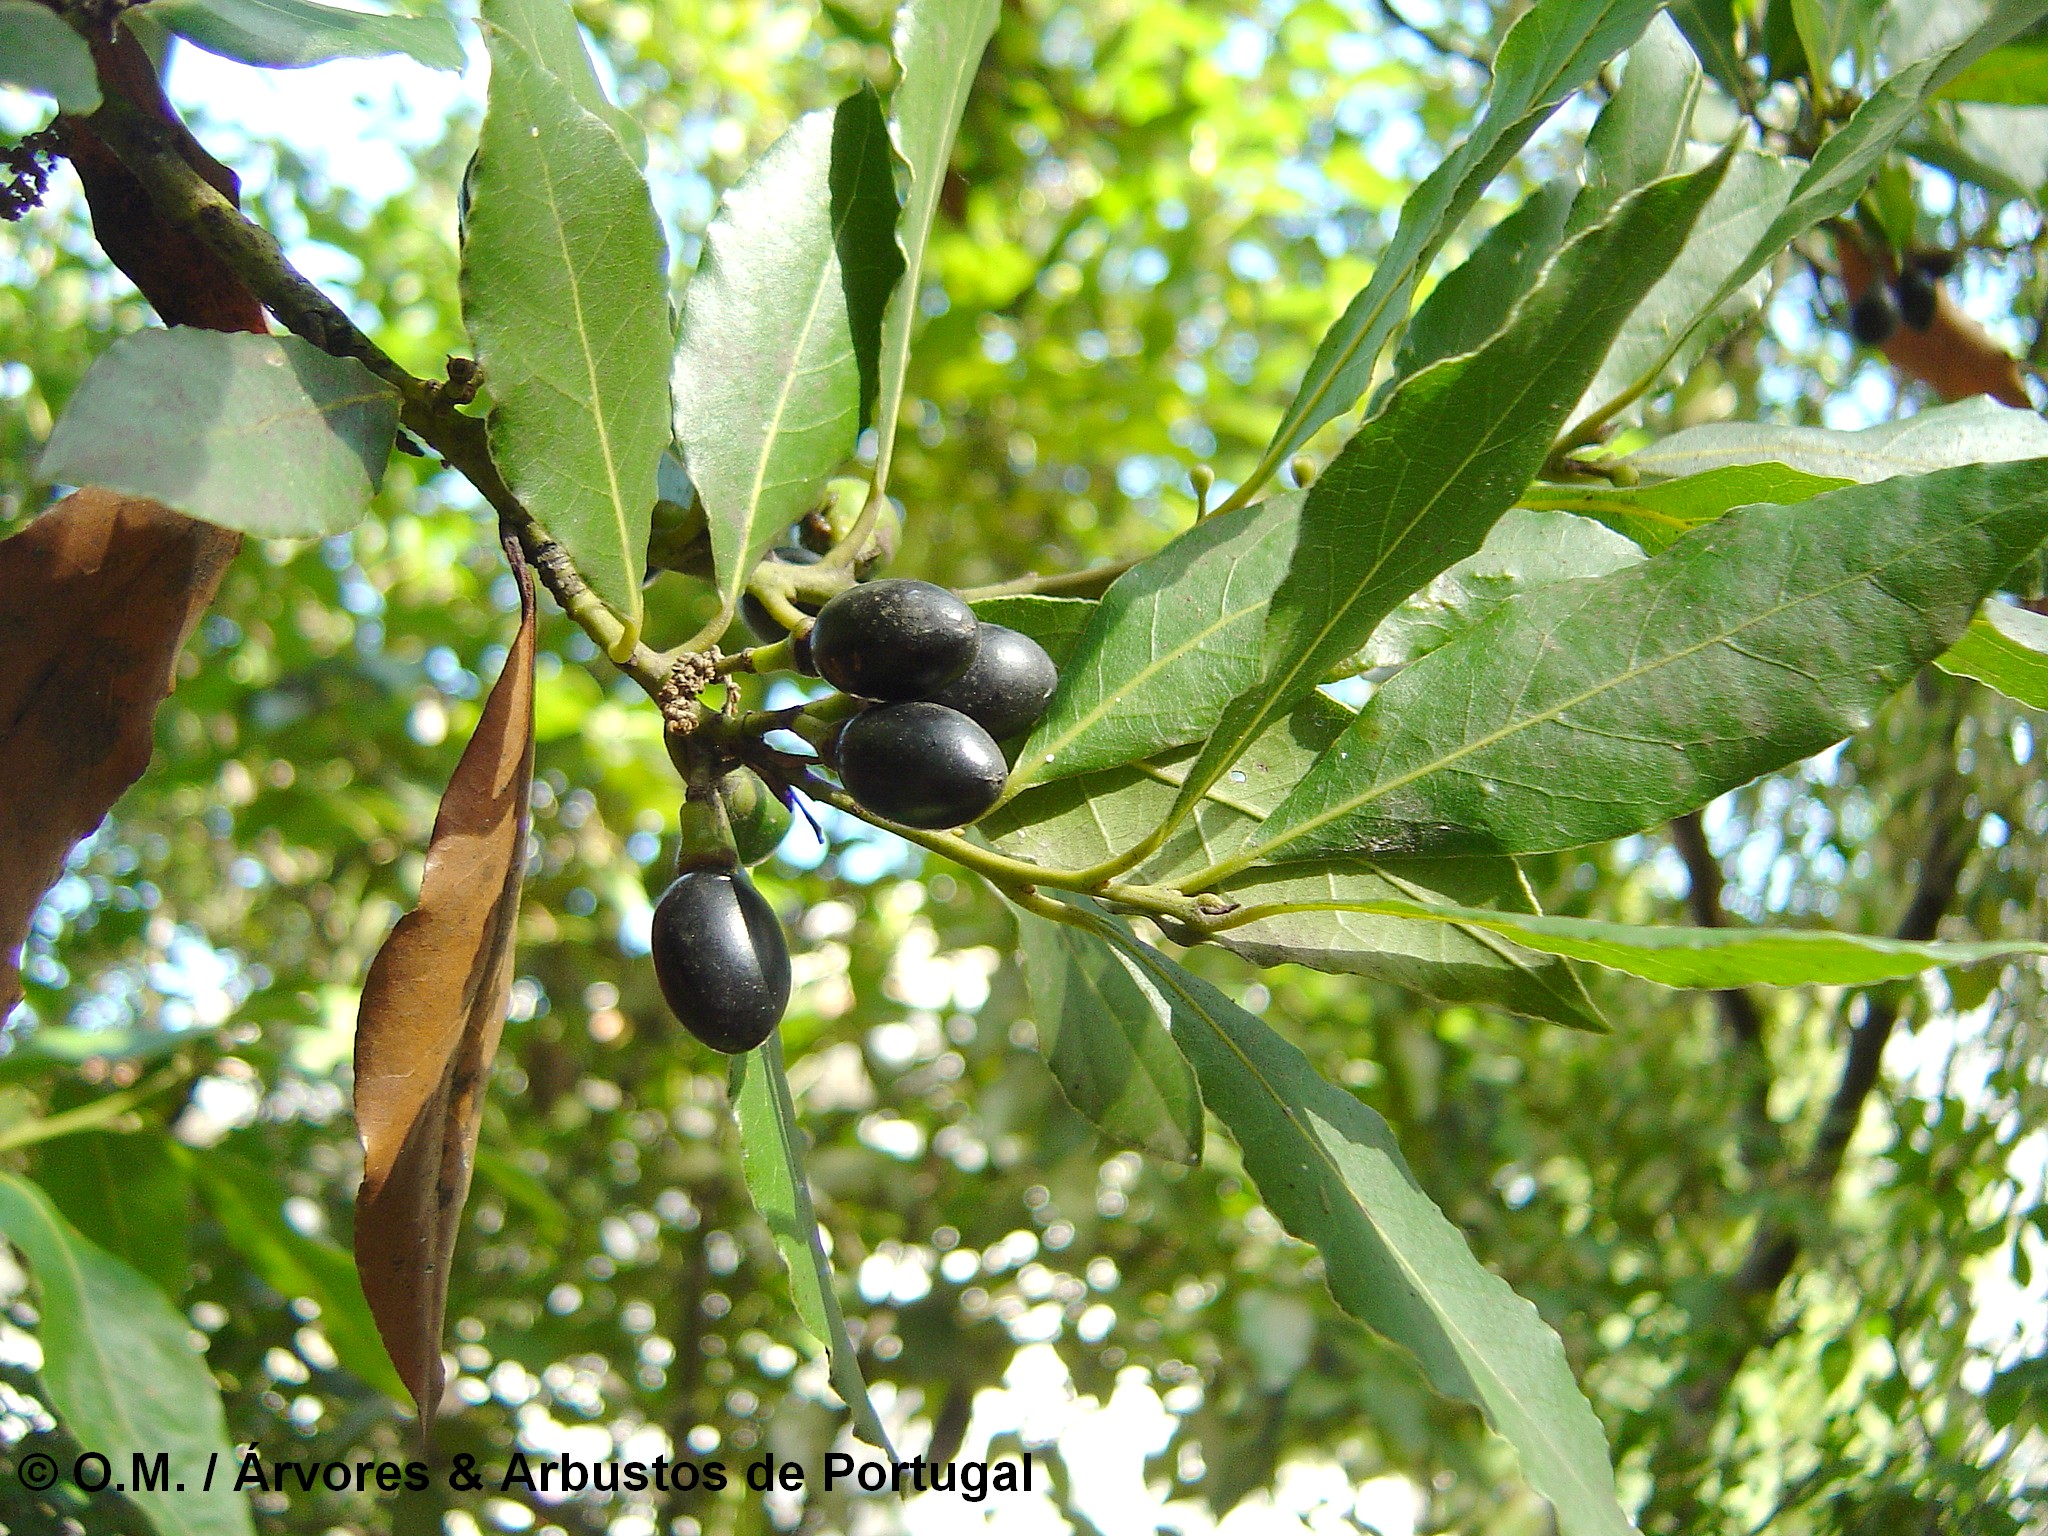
(1006, 688)
(894, 640)
(921, 764)
(1874, 317)
(760, 621)
(1914, 292)
(721, 959)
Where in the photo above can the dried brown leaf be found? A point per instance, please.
(433, 1009)
(1955, 356)
(96, 598)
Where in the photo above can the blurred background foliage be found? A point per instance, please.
(1156, 209)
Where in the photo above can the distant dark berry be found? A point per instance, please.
(1914, 292)
(1934, 261)
(1006, 688)
(1874, 318)
(721, 959)
(894, 640)
(760, 622)
(920, 764)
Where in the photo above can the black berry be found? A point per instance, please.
(1006, 688)
(920, 764)
(894, 640)
(760, 621)
(1934, 261)
(721, 959)
(1874, 317)
(1914, 292)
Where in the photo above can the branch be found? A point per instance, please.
(1736, 1321)
(1452, 47)
(1092, 582)
(188, 202)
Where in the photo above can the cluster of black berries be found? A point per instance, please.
(1908, 299)
(939, 689)
(943, 687)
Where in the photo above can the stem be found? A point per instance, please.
(97, 1115)
(1089, 583)
(186, 200)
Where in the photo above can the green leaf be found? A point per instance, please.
(1839, 173)
(1173, 641)
(1419, 485)
(1642, 132)
(1694, 301)
(1598, 708)
(2013, 76)
(38, 52)
(1084, 821)
(1829, 28)
(565, 293)
(2006, 647)
(1471, 304)
(1329, 1169)
(1722, 957)
(265, 434)
(1329, 925)
(120, 1370)
(1709, 25)
(2003, 149)
(1656, 516)
(938, 45)
(249, 1205)
(547, 30)
(780, 327)
(1552, 49)
(771, 1160)
(289, 34)
(126, 1192)
(1524, 550)
(1978, 431)
(1056, 623)
(1103, 1030)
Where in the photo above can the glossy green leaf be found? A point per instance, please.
(1642, 132)
(248, 1202)
(1709, 25)
(39, 53)
(1978, 431)
(119, 1368)
(1329, 1169)
(1830, 28)
(1657, 515)
(1173, 641)
(938, 45)
(1524, 550)
(781, 326)
(265, 434)
(547, 30)
(771, 1160)
(2013, 76)
(1056, 623)
(1464, 311)
(1598, 708)
(289, 34)
(1553, 48)
(128, 1193)
(2001, 148)
(1840, 171)
(1103, 1030)
(1722, 957)
(565, 293)
(1419, 485)
(1083, 821)
(2006, 647)
(1694, 301)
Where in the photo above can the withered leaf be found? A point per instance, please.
(1955, 356)
(96, 597)
(432, 1011)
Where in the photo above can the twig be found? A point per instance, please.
(1453, 47)
(186, 200)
